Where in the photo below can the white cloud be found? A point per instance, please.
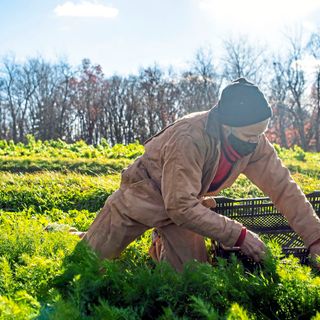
(255, 15)
(86, 9)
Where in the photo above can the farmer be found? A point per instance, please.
(193, 159)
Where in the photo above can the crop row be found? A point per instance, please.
(59, 148)
(34, 164)
(50, 275)
(47, 190)
(46, 273)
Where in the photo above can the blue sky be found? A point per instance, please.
(123, 35)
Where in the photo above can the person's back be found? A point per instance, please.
(199, 154)
(193, 125)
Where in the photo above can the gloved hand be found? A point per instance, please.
(315, 253)
(253, 246)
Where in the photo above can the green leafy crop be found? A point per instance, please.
(49, 188)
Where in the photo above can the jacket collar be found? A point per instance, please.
(212, 126)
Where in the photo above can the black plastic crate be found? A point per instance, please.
(260, 216)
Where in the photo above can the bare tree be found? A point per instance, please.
(88, 98)
(3, 113)
(114, 109)
(314, 48)
(200, 85)
(278, 89)
(204, 67)
(47, 115)
(150, 84)
(241, 59)
(19, 86)
(42, 111)
(133, 112)
(54, 100)
(65, 115)
(296, 82)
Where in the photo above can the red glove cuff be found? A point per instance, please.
(241, 237)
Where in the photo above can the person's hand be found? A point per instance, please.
(209, 202)
(253, 246)
(315, 253)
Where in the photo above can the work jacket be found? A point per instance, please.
(167, 183)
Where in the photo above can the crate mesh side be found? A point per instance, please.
(260, 216)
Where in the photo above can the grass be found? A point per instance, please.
(34, 164)
(48, 190)
(59, 148)
(50, 275)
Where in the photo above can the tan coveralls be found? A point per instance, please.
(163, 189)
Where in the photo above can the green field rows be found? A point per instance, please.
(51, 275)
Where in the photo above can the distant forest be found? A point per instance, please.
(54, 100)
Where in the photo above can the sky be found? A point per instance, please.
(124, 35)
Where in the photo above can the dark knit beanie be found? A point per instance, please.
(242, 104)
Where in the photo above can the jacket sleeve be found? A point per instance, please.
(180, 187)
(266, 171)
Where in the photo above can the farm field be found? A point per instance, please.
(49, 274)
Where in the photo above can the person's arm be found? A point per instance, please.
(181, 185)
(267, 172)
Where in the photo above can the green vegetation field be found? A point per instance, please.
(50, 275)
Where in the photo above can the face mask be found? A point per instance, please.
(243, 148)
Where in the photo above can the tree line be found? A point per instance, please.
(54, 100)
